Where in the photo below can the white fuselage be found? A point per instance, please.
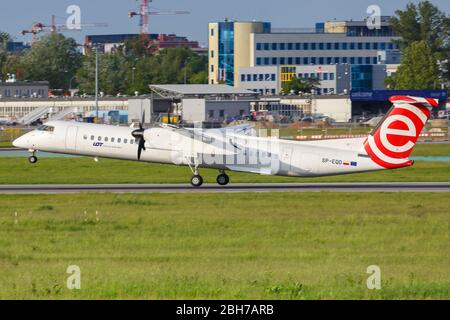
(214, 148)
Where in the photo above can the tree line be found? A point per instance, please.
(128, 69)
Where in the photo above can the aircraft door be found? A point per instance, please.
(286, 157)
(71, 138)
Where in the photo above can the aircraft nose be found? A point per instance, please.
(21, 142)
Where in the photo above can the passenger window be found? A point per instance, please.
(131, 141)
(119, 140)
(99, 138)
(113, 139)
(92, 138)
(125, 140)
(106, 139)
(85, 137)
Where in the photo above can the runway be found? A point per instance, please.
(232, 188)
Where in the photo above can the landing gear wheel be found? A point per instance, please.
(32, 159)
(197, 181)
(223, 179)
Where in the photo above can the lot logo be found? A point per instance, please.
(392, 143)
(374, 280)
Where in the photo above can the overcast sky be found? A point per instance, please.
(20, 14)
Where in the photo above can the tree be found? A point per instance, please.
(54, 58)
(418, 70)
(424, 22)
(299, 85)
(4, 38)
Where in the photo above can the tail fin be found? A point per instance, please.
(392, 141)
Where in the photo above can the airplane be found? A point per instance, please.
(237, 148)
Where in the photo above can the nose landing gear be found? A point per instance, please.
(32, 159)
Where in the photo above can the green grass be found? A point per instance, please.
(85, 170)
(228, 246)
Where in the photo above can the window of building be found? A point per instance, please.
(282, 46)
(344, 60)
(290, 46)
(329, 45)
(383, 46)
(321, 60)
(313, 46)
(85, 136)
(298, 60)
(368, 60)
(337, 60)
(321, 45)
(360, 60)
(274, 46)
(298, 46)
(258, 46)
(329, 60)
(352, 60)
(212, 68)
(313, 60)
(222, 113)
(255, 77)
(266, 46)
(212, 32)
(312, 75)
(243, 77)
(331, 75)
(261, 77)
(360, 46)
(325, 76)
(274, 61)
(336, 46)
(325, 90)
(352, 46)
(258, 61)
(305, 60)
(344, 46)
(282, 61)
(212, 53)
(249, 77)
(290, 60)
(375, 46)
(274, 92)
(367, 45)
(300, 75)
(374, 60)
(266, 61)
(306, 46)
(390, 46)
(273, 77)
(306, 75)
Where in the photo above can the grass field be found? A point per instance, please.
(85, 170)
(232, 246)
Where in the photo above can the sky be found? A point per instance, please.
(20, 14)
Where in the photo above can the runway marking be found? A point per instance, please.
(243, 187)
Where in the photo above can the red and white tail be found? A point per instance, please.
(395, 136)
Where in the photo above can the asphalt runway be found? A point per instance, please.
(232, 188)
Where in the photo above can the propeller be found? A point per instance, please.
(139, 135)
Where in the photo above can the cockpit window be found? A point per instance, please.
(46, 128)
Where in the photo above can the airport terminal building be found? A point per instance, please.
(255, 56)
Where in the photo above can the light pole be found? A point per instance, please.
(96, 82)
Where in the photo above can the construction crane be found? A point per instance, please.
(145, 12)
(39, 27)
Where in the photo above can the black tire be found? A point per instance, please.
(33, 159)
(196, 181)
(223, 179)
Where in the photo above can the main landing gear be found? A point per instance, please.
(196, 181)
(32, 159)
